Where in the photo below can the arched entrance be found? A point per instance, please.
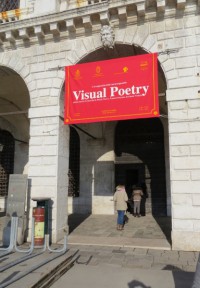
(128, 151)
(140, 146)
(14, 126)
(139, 149)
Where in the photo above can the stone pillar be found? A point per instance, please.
(184, 135)
(48, 165)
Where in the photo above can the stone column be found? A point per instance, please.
(48, 165)
(184, 135)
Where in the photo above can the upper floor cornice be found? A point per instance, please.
(15, 30)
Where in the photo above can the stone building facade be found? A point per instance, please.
(38, 38)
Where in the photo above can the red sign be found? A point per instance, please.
(117, 89)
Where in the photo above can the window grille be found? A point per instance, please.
(74, 164)
(7, 144)
(7, 5)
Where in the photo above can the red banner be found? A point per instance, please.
(117, 89)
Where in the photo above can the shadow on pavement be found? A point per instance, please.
(137, 284)
(165, 225)
(74, 220)
(182, 279)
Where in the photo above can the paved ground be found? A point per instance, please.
(146, 232)
(141, 253)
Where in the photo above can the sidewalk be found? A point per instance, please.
(143, 247)
(143, 232)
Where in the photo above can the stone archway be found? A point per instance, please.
(14, 105)
(139, 150)
(125, 50)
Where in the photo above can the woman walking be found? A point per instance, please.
(120, 198)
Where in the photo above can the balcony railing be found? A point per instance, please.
(7, 5)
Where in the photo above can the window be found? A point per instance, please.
(6, 5)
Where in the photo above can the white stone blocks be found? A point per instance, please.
(53, 64)
(57, 82)
(183, 33)
(193, 114)
(179, 127)
(157, 27)
(45, 101)
(192, 41)
(195, 175)
(177, 43)
(149, 42)
(80, 48)
(46, 191)
(171, 74)
(129, 34)
(165, 36)
(178, 115)
(43, 92)
(193, 21)
(37, 67)
(194, 104)
(184, 82)
(186, 72)
(44, 83)
(43, 130)
(180, 151)
(186, 212)
(186, 62)
(185, 187)
(168, 65)
(72, 57)
(196, 225)
(181, 94)
(196, 199)
(55, 92)
(182, 199)
(178, 105)
(119, 36)
(183, 225)
(141, 34)
(89, 44)
(173, 24)
(186, 240)
(44, 121)
(97, 41)
(53, 48)
(50, 150)
(24, 73)
(41, 112)
(45, 170)
(180, 175)
(195, 150)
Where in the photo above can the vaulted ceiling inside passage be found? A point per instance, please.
(14, 98)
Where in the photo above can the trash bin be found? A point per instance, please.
(41, 215)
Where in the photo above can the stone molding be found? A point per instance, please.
(61, 24)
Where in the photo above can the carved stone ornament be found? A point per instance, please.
(107, 36)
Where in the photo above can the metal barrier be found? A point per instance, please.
(57, 250)
(8, 249)
(30, 250)
(13, 241)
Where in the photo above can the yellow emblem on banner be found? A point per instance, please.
(77, 75)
